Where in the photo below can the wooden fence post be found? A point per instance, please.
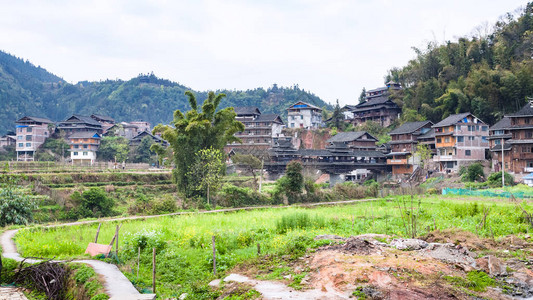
(214, 257)
(258, 249)
(138, 264)
(116, 241)
(153, 271)
(97, 233)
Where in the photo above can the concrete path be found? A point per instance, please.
(117, 286)
(11, 293)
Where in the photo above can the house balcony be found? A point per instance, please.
(397, 161)
(438, 158)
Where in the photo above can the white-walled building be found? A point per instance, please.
(304, 115)
(83, 147)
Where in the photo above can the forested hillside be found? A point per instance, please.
(489, 75)
(29, 90)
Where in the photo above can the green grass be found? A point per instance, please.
(183, 243)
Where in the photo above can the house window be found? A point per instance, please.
(458, 127)
(19, 137)
(85, 153)
(21, 145)
(526, 120)
(471, 138)
(477, 127)
(529, 134)
(301, 117)
(484, 139)
(20, 130)
(28, 129)
(75, 153)
(28, 144)
(76, 146)
(496, 142)
(446, 139)
(460, 139)
(468, 152)
(485, 128)
(28, 138)
(292, 125)
(84, 146)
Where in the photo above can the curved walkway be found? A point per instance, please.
(116, 284)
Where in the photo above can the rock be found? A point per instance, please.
(496, 266)
(305, 280)
(183, 296)
(289, 277)
(408, 244)
(215, 283)
(329, 237)
(450, 253)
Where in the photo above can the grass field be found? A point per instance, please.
(183, 243)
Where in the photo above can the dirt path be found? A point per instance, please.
(116, 284)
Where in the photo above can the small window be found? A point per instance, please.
(28, 144)
(76, 146)
(21, 145)
(485, 128)
(28, 138)
(19, 137)
(496, 142)
(439, 140)
(28, 129)
(302, 117)
(85, 153)
(468, 152)
(460, 139)
(84, 146)
(458, 127)
(446, 139)
(75, 153)
(484, 139)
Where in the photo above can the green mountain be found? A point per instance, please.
(488, 75)
(29, 90)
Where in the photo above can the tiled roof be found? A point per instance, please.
(36, 119)
(410, 127)
(374, 101)
(83, 119)
(348, 136)
(84, 135)
(428, 135)
(267, 118)
(247, 110)
(303, 103)
(103, 118)
(504, 123)
(526, 110)
(452, 119)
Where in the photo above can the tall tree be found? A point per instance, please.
(362, 96)
(197, 130)
(208, 171)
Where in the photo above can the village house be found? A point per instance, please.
(359, 140)
(259, 129)
(499, 134)
(7, 140)
(136, 140)
(79, 123)
(304, 115)
(460, 139)
(31, 132)
(105, 121)
(83, 147)
(517, 136)
(404, 141)
(377, 107)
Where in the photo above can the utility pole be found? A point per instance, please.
(503, 166)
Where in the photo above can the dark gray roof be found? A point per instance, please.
(374, 101)
(527, 110)
(428, 135)
(384, 88)
(348, 136)
(267, 118)
(83, 119)
(410, 127)
(103, 118)
(84, 135)
(499, 147)
(452, 119)
(247, 110)
(504, 123)
(35, 119)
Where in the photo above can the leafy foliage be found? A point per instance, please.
(197, 130)
(93, 202)
(207, 171)
(114, 148)
(474, 172)
(488, 75)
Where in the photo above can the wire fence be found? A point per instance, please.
(486, 193)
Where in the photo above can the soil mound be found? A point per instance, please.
(356, 245)
(459, 237)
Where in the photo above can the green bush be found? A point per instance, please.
(164, 205)
(234, 196)
(474, 172)
(93, 202)
(15, 206)
(495, 179)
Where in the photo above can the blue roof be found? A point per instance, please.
(528, 176)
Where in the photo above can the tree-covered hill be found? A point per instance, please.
(489, 75)
(29, 90)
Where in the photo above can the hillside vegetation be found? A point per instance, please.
(29, 90)
(489, 75)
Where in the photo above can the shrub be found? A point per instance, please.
(495, 179)
(474, 172)
(166, 204)
(349, 190)
(15, 207)
(235, 196)
(93, 202)
(292, 183)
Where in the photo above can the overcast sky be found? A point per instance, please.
(332, 48)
